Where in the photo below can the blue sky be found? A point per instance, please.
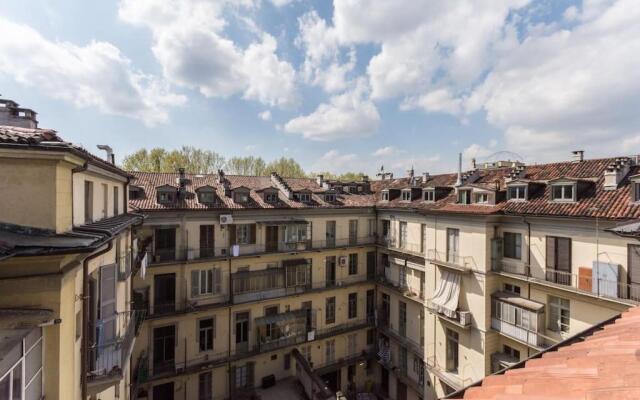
(342, 85)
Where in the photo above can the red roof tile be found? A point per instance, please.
(603, 366)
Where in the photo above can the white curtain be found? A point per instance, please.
(445, 299)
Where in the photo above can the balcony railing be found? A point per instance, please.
(452, 260)
(124, 266)
(107, 360)
(598, 287)
(385, 328)
(394, 243)
(534, 339)
(182, 254)
(461, 318)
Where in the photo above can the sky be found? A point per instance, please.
(342, 85)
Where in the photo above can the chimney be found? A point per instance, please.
(578, 155)
(425, 177)
(220, 176)
(615, 172)
(110, 156)
(320, 180)
(473, 163)
(459, 180)
(13, 115)
(365, 178)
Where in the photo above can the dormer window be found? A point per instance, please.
(406, 195)
(635, 187)
(563, 192)
(353, 189)
(330, 197)
(385, 195)
(429, 195)
(482, 198)
(517, 193)
(206, 197)
(166, 197)
(464, 196)
(304, 197)
(271, 197)
(135, 193)
(240, 197)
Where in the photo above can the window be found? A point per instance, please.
(508, 287)
(562, 192)
(304, 197)
(240, 196)
(206, 197)
(402, 318)
(271, 328)
(295, 233)
(306, 352)
(512, 245)
(298, 274)
(406, 195)
(464, 196)
(353, 305)
(429, 195)
(517, 193)
(633, 271)
(423, 238)
(243, 234)
(371, 337)
(88, 201)
(330, 313)
(105, 200)
(22, 369)
(135, 193)
(353, 231)
(271, 197)
(116, 201)
(330, 350)
(511, 351)
(206, 282)
(559, 314)
(636, 191)
(372, 227)
(482, 198)
(514, 315)
(353, 264)
(330, 197)
(351, 373)
(403, 234)
(385, 195)
(453, 240)
(558, 259)
(205, 386)
(242, 376)
(206, 333)
(403, 359)
(452, 351)
(166, 196)
(352, 343)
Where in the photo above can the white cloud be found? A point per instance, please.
(265, 115)
(325, 64)
(385, 151)
(190, 44)
(95, 75)
(557, 88)
(350, 114)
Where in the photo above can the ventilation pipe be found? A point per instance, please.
(110, 156)
(459, 180)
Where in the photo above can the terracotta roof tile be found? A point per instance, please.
(603, 366)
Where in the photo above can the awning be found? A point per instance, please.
(445, 299)
(282, 317)
(518, 301)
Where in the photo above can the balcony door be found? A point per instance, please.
(371, 264)
(164, 350)
(164, 293)
(106, 328)
(330, 271)
(207, 242)
(453, 243)
(165, 244)
(331, 233)
(271, 239)
(242, 332)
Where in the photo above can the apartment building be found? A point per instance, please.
(495, 264)
(251, 280)
(67, 254)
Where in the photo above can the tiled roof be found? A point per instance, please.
(150, 181)
(603, 366)
(48, 139)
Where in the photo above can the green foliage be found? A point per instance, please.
(246, 166)
(286, 167)
(159, 160)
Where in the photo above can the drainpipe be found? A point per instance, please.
(84, 353)
(524, 219)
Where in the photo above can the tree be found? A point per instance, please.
(286, 167)
(159, 160)
(346, 177)
(246, 166)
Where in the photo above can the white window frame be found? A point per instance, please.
(243, 233)
(482, 198)
(559, 308)
(207, 283)
(429, 195)
(330, 198)
(330, 350)
(241, 197)
(385, 195)
(517, 251)
(304, 197)
(406, 195)
(295, 233)
(520, 191)
(211, 329)
(563, 196)
(464, 194)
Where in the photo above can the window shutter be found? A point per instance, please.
(252, 233)
(210, 280)
(232, 234)
(195, 283)
(564, 254)
(217, 280)
(214, 326)
(551, 252)
(634, 264)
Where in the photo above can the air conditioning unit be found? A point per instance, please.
(342, 261)
(226, 219)
(465, 317)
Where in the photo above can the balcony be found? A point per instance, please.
(292, 278)
(461, 319)
(398, 336)
(185, 254)
(107, 361)
(518, 318)
(452, 261)
(401, 246)
(283, 329)
(408, 287)
(453, 379)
